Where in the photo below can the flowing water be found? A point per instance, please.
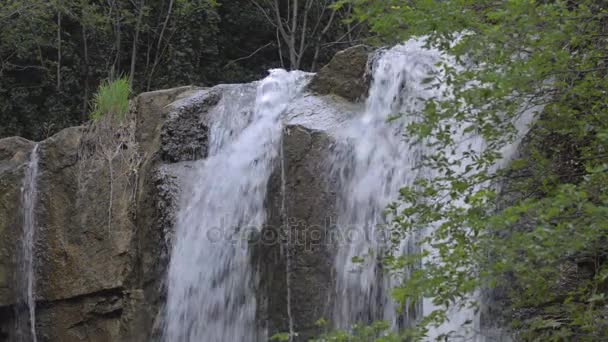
(211, 286)
(26, 306)
(372, 162)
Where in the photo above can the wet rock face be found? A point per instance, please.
(98, 270)
(14, 152)
(106, 316)
(345, 75)
(556, 153)
(296, 247)
(184, 135)
(14, 156)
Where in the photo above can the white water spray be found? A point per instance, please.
(211, 283)
(26, 323)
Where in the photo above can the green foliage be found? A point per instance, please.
(112, 98)
(55, 53)
(280, 337)
(535, 231)
(28, 74)
(377, 331)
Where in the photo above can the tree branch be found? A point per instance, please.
(248, 56)
(261, 9)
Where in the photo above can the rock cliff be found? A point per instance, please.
(107, 203)
(98, 271)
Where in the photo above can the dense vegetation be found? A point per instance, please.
(54, 53)
(533, 235)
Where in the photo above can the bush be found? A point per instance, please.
(112, 98)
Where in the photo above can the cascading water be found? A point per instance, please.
(372, 162)
(26, 305)
(210, 282)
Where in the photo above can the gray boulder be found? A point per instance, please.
(295, 250)
(346, 75)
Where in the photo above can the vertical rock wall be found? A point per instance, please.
(98, 271)
(14, 156)
(296, 261)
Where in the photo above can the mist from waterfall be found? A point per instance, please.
(211, 283)
(26, 281)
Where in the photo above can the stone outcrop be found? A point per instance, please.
(346, 75)
(541, 153)
(101, 242)
(295, 251)
(185, 134)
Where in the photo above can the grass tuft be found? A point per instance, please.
(112, 98)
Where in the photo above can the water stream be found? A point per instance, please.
(26, 306)
(372, 163)
(211, 287)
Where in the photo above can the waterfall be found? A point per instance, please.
(26, 305)
(211, 283)
(372, 161)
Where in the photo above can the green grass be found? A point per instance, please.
(112, 98)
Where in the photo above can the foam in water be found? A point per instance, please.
(26, 315)
(211, 282)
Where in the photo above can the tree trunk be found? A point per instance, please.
(58, 47)
(159, 45)
(319, 38)
(118, 40)
(136, 41)
(85, 99)
(293, 57)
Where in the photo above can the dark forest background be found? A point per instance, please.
(54, 53)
